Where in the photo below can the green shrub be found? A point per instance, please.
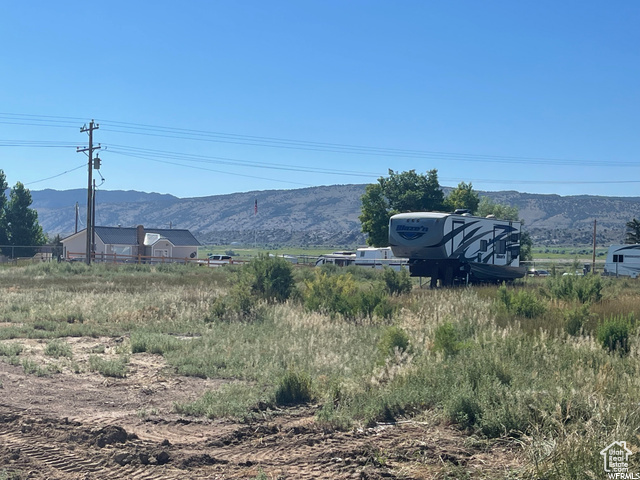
(587, 288)
(464, 410)
(238, 305)
(447, 339)
(521, 302)
(613, 334)
(332, 294)
(157, 343)
(385, 309)
(366, 301)
(270, 278)
(294, 388)
(109, 368)
(58, 348)
(397, 283)
(575, 319)
(30, 367)
(10, 349)
(393, 338)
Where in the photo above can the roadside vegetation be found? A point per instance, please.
(549, 367)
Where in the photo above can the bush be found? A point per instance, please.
(464, 410)
(522, 302)
(238, 305)
(332, 294)
(397, 283)
(157, 343)
(57, 349)
(270, 278)
(584, 289)
(613, 334)
(109, 368)
(294, 388)
(10, 349)
(575, 319)
(340, 295)
(393, 338)
(447, 339)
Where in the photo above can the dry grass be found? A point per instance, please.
(560, 397)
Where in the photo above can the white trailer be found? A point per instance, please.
(372, 257)
(341, 259)
(457, 247)
(623, 260)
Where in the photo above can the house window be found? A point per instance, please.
(121, 249)
(483, 245)
(618, 258)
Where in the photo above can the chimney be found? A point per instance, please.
(140, 235)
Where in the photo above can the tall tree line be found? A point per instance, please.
(19, 227)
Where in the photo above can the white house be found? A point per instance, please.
(111, 242)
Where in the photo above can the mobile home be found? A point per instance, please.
(372, 257)
(623, 260)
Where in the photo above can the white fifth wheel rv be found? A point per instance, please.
(457, 247)
(372, 257)
(623, 260)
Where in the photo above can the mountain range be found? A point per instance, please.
(325, 215)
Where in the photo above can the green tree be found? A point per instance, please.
(463, 196)
(633, 232)
(22, 221)
(399, 192)
(503, 212)
(4, 231)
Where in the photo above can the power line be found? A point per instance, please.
(55, 176)
(212, 170)
(131, 128)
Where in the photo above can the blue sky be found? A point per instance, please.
(203, 98)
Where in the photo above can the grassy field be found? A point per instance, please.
(550, 367)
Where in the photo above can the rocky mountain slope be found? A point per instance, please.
(326, 215)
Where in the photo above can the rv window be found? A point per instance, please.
(483, 245)
(501, 247)
(618, 259)
(515, 237)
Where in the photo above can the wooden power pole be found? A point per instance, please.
(89, 151)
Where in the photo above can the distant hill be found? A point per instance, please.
(326, 215)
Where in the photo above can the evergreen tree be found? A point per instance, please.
(22, 221)
(633, 231)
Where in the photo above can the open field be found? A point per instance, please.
(171, 372)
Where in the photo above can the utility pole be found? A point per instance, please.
(93, 219)
(89, 151)
(593, 261)
(76, 218)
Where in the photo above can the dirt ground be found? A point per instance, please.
(84, 426)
